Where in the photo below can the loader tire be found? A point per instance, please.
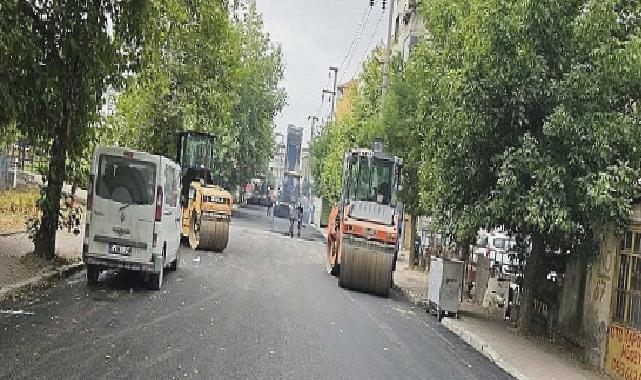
(194, 232)
(365, 270)
(332, 257)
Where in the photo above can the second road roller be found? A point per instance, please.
(207, 207)
(363, 228)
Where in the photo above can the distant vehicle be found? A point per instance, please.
(499, 247)
(290, 191)
(133, 214)
(259, 194)
(289, 194)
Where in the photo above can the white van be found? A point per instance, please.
(133, 214)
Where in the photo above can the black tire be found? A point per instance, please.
(175, 264)
(194, 234)
(156, 279)
(93, 272)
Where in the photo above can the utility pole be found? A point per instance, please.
(333, 69)
(312, 133)
(332, 94)
(388, 49)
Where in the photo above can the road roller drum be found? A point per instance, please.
(210, 235)
(366, 269)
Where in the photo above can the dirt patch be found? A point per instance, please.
(15, 269)
(19, 263)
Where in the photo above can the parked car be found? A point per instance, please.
(133, 214)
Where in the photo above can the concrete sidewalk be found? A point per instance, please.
(411, 283)
(524, 357)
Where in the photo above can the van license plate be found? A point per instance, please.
(119, 249)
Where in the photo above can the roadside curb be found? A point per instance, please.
(410, 296)
(54, 274)
(323, 231)
(7, 234)
(481, 346)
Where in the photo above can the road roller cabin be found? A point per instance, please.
(133, 214)
(362, 233)
(206, 207)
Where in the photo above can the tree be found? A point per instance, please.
(204, 71)
(355, 129)
(55, 61)
(532, 120)
(186, 80)
(404, 133)
(260, 98)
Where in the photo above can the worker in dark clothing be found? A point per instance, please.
(299, 214)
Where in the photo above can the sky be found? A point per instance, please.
(314, 35)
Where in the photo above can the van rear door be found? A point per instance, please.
(123, 212)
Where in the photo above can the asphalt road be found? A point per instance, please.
(263, 309)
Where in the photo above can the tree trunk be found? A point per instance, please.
(464, 250)
(464, 255)
(45, 241)
(531, 277)
(412, 227)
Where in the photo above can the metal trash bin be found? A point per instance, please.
(445, 287)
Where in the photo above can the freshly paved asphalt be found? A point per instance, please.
(263, 309)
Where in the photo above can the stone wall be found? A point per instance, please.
(585, 312)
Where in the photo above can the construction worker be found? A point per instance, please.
(299, 216)
(292, 219)
(270, 200)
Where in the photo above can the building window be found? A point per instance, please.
(628, 293)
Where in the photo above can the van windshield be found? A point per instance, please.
(126, 180)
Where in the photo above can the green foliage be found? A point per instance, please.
(521, 114)
(356, 129)
(327, 152)
(204, 71)
(186, 77)
(259, 100)
(55, 61)
(532, 120)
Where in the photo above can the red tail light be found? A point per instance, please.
(90, 193)
(158, 204)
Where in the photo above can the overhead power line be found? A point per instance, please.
(357, 45)
(359, 27)
(367, 51)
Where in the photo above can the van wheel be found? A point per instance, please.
(155, 280)
(174, 264)
(93, 272)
